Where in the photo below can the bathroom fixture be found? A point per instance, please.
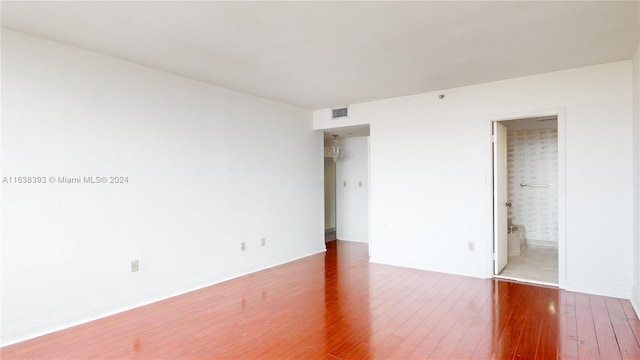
(551, 186)
(515, 240)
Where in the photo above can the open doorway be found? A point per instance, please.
(526, 199)
(329, 193)
(346, 184)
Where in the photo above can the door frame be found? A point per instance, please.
(562, 215)
(500, 188)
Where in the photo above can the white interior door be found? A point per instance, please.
(501, 253)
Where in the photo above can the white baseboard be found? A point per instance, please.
(595, 289)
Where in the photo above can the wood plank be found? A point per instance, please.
(607, 343)
(505, 296)
(437, 304)
(480, 326)
(568, 332)
(629, 311)
(460, 318)
(339, 306)
(587, 343)
(627, 342)
(550, 331)
(534, 320)
(510, 336)
(442, 319)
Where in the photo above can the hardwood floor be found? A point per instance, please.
(339, 306)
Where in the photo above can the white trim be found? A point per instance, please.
(369, 229)
(562, 193)
(451, 270)
(562, 199)
(350, 239)
(617, 292)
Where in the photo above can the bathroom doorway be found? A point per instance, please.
(527, 199)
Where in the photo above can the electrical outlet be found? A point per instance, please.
(472, 246)
(263, 241)
(134, 265)
(242, 247)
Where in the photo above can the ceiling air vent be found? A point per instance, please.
(339, 113)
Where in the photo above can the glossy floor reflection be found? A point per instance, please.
(339, 306)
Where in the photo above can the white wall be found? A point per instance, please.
(208, 168)
(431, 173)
(352, 190)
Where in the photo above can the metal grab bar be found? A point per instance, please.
(551, 186)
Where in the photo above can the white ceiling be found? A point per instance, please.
(322, 54)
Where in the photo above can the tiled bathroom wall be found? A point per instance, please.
(532, 158)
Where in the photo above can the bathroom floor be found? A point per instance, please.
(535, 264)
